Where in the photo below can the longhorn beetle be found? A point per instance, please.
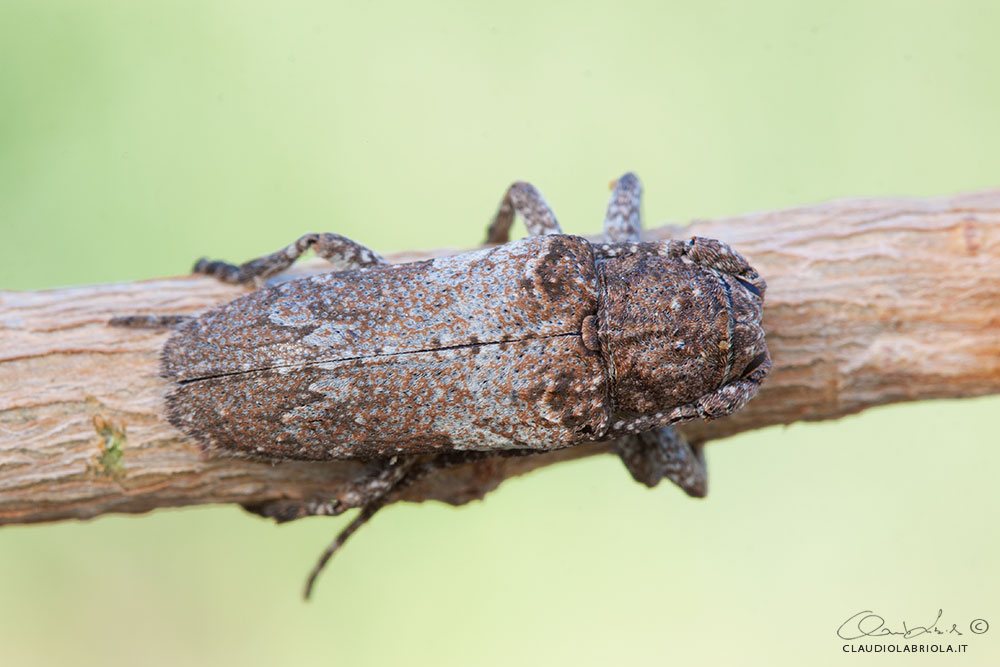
(523, 347)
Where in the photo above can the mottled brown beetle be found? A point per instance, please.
(529, 346)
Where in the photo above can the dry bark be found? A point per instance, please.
(869, 302)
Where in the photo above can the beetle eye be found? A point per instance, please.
(754, 363)
(749, 286)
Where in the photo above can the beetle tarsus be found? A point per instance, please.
(149, 321)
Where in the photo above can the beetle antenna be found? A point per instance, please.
(414, 474)
(367, 512)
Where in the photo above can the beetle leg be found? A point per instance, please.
(375, 483)
(725, 400)
(283, 511)
(623, 221)
(413, 469)
(716, 255)
(381, 484)
(523, 198)
(664, 452)
(383, 477)
(149, 321)
(340, 251)
(730, 397)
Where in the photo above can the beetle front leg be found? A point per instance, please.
(623, 221)
(340, 251)
(722, 402)
(717, 255)
(731, 397)
(664, 452)
(523, 198)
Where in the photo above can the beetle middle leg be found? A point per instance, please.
(664, 452)
(340, 251)
(523, 198)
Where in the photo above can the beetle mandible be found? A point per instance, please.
(523, 347)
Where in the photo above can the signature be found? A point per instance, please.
(869, 624)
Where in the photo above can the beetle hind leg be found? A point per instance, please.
(664, 453)
(380, 485)
(340, 251)
(378, 479)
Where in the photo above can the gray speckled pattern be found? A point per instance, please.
(477, 351)
(534, 287)
(499, 396)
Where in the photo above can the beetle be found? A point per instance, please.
(517, 348)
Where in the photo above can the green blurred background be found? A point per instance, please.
(135, 137)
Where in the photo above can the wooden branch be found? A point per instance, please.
(869, 302)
